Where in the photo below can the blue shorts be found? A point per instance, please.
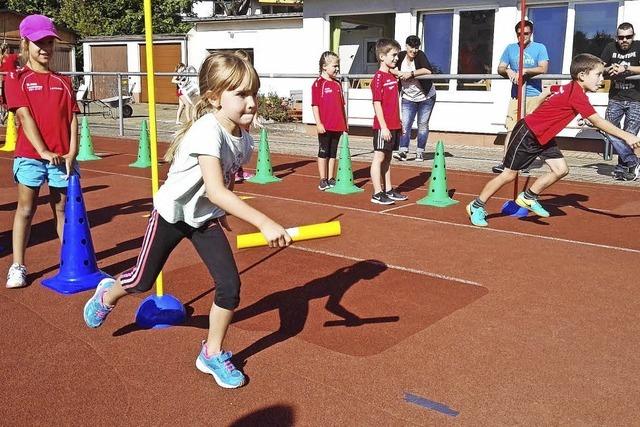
(35, 172)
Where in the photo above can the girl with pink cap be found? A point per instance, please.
(44, 103)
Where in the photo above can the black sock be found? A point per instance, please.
(477, 203)
(530, 195)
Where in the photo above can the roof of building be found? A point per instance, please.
(266, 16)
(131, 38)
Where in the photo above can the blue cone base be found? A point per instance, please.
(64, 284)
(157, 312)
(511, 208)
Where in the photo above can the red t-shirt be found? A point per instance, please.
(327, 96)
(384, 88)
(10, 63)
(562, 106)
(51, 101)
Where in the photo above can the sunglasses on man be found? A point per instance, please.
(526, 33)
(626, 37)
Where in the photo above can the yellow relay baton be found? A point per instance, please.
(304, 232)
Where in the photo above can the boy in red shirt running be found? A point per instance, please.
(534, 136)
(387, 127)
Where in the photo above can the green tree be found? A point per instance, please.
(111, 17)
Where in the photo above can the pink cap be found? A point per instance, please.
(37, 27)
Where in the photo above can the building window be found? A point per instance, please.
(437, 40)
(549, 28)
(475, 47)
(276, 7)
(595, 26)
(474, 50)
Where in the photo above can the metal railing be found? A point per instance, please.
(345, 78)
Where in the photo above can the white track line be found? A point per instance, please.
(395, 208)
(433, 221)
(460, 193)
(395, 267)
(454, 224)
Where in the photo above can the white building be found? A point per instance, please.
(275, 43)
(459, 37)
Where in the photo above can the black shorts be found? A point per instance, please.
(380, 144)
(524, 148)
(328, 142)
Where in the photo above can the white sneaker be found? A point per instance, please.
(17, 276)
(419, 156)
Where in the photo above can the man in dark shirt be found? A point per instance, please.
(622, 59)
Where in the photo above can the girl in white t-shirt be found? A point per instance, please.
(192, 203)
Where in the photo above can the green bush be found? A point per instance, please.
(273, 107)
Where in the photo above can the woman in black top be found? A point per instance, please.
(418, 96)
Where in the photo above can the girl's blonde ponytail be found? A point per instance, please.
(202, 107)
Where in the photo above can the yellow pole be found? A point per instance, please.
(151, 89)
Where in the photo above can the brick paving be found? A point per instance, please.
(290, 138)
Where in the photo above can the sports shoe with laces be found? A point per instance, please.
(220, 366)
(400, 155)
(533, 205)
(17, 276)
(394, 194)
(478, 216)
(94, 310)
(624, 176)
(332, 182)
(635, 170)
(419, 156)
(381, 198)
(323, 185)
(498, 168)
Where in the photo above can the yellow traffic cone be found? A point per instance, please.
(11, 136)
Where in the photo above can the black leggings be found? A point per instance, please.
(209, 240)
(328, 144)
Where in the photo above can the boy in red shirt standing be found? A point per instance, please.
(47, 145)
(534, 136)
(387, 127)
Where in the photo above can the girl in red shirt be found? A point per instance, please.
(328, 109)
(46, 150)
(9, 62)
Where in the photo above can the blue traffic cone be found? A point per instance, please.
(160, 311)
(78, 267)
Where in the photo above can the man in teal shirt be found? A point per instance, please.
(535, 61)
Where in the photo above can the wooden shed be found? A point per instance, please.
(64, 58)
(127, 54)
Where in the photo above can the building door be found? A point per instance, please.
(165, 58)
(107, 58)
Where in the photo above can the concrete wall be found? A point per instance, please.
(278, 46)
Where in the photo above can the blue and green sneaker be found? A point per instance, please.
(478, 216)
(532, 205)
